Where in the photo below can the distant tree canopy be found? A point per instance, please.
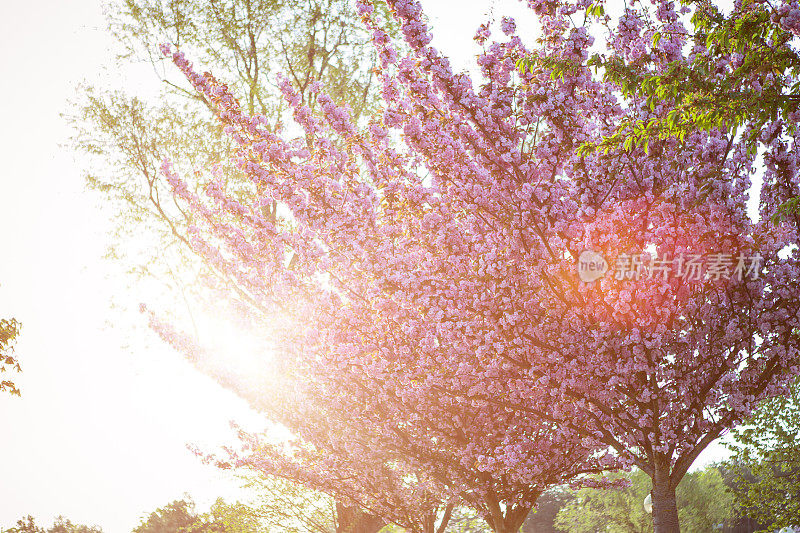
(542, 519)
(766, 463)
(279, 508)
(281, 505)
(250, 41)
(27, 524)
(703, 505)
(176, 516)
(9, 329)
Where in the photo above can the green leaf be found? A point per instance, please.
(628, 144)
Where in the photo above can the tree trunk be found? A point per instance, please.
(665, 507)
(429, 523)
(354, 520)
(509, 521)
(506, 528)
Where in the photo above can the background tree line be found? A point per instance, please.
(755, 490)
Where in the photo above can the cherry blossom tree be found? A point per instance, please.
(439, 253)
(383, 458)
(375, 455)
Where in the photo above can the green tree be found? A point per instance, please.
(766, 463)
(744, 72)
(735, 475)
(26, 524)
(465, 520)
(703, 501)
(285, 506)
(64, 525)
(611, 509)
(177, 516)
(277, 505)
(9, 329)
(60, 525)
(462, 520)
(235, 518)
(126, 135)
(703, 505)
(542, 519)
(745, 77)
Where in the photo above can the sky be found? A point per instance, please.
(100, 434)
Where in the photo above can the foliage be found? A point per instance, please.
(281, 505)
(60, 525)
(742, 75)
(614, 510)
(235, 518)
(703, 505)
(463, 520)
(767, 460)
(542, 519)
(177, 516)
(26, 524)
(249, 41)
(743, 71)
(180, 516)
(9, 329)
(703, 501)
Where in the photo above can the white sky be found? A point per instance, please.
(100, 433)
